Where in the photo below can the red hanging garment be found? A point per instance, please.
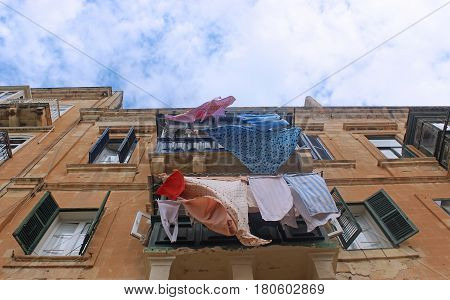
(173, 186)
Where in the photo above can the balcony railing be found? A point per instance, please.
(5, 146)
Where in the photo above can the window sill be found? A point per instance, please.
(311, 126)
(390, 253)
(408, 162)
(437, 211)
(79, 168)
(369, 126)
(33, 261)
(347, 164)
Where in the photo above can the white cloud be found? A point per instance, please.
(262, 52)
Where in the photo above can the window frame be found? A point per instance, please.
(391, 149)
(440, 204)
(40, 223)
(61, 219)
(19, 146)
(306, 142)
(382, 240)
(129, 142)
(385, 212)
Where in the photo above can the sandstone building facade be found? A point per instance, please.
(78, 173)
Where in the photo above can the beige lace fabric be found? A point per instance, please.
(233, 195)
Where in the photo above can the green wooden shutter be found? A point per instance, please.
(126, 145)
(31, 230)
(97, 148)
(391, 219)
(93, 226)
(350, 227)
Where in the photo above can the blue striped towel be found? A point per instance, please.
(314, 193)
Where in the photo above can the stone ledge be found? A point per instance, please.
(391, 253)
(385, 180)
(408, 162)
(79, 168)
(103, 186)
(366, 126)
(34, 261)
(347, 164)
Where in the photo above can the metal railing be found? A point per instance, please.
(5, 146)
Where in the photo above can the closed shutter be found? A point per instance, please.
(93, 226)
(391, 219)
(126, 145)
(30, 232)
(99, 145)
(350, 227)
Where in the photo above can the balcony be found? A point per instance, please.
(187, 148)
(199, 251)
(5, 146)
(429, 131)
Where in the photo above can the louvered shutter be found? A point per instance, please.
(126, 145)
(30, 232)
(99, 145)
(350, 227)
(93, 226)
(391, 219)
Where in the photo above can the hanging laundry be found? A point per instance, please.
(311, 221)
(266, 125)
(262, 152)
(312, 199)
(210, 212)
(273, 196)
(168, 210)
(173, 186)
(314, 193)
(232, 194)
(213, 108)
(255, 117)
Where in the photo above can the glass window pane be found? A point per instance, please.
(389, 153)
(385, 142)
(429, 139)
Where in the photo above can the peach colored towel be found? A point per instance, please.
(233, 196)
(213, 108)
(210, 212)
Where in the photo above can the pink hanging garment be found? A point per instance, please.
(213, 108)
(211, 213)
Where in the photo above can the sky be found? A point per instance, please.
(270, 53)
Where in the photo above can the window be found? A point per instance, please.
(110, 151)
(49, 230)
(371, 236)
(18, 141)
(11, 95)
(390, 147)
(444, 204)
(63, 108)
(66, 235)
(376, 223)
(318, 150)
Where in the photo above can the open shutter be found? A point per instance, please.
(350, 227)
(141, 226)
(93, 226)
(99, 145)
(391, 219)
(125, 147)
(31, 230)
